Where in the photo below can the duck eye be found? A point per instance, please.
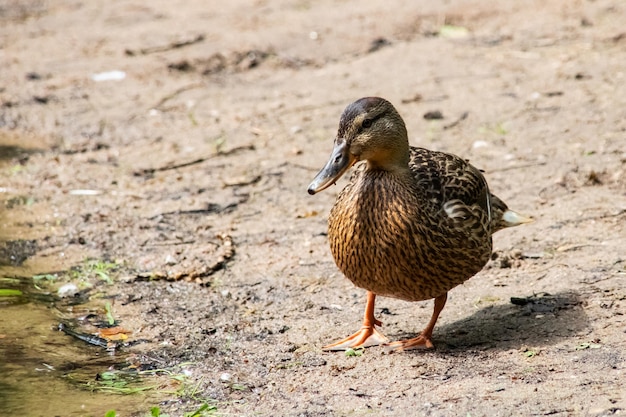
(367, 123)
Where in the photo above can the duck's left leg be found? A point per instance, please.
(424, 339)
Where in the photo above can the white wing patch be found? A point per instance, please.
(455, 209)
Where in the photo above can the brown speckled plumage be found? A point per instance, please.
(412, 223)
(401, 243)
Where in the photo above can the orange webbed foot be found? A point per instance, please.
(367, 336)
(423, 341)
(419, 342)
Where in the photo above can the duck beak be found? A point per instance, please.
(340, 161)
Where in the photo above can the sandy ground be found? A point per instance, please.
(202, 153)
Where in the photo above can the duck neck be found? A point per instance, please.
(393, 158)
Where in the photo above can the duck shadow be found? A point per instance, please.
(535, 320)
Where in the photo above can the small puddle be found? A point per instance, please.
(44, 371)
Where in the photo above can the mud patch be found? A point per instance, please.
(219, 63)
(8, 152)
(190, 261)
(22, 11)
(169, 246)
(15, 252)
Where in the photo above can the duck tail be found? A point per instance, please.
(503, 217)
(512, 218)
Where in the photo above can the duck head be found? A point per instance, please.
(370, 129)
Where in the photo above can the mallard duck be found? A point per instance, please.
(411, 224)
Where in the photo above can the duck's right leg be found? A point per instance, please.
(368, 335)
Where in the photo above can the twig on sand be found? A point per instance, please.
(457, 121)
(176, 93)
(211, 208)
(150, 171)
(163, 48)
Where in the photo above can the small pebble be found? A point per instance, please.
(67, 290)
(433, 115)
(109, 76)
(85, 192)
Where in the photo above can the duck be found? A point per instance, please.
(411, 223)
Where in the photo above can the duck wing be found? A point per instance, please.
(453, 186)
